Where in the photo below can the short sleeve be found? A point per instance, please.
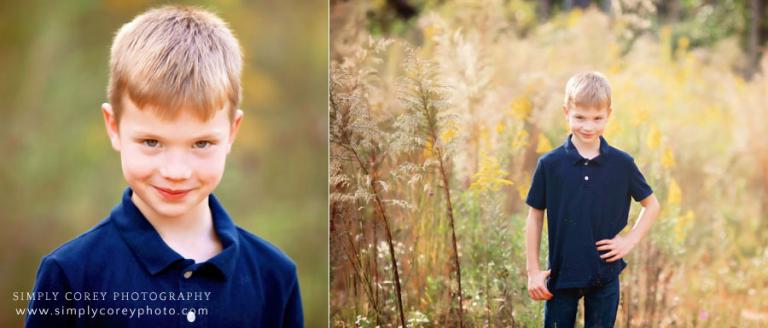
(638, 188)
(45, 311)
(538, 190)
(294, 316)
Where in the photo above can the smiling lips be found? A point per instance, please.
(171, 194)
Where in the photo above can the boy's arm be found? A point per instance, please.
(294, 316)
(537, 279)
(46, 311)
(619, 246)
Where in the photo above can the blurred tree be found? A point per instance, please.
(756, 35)
(702, 22)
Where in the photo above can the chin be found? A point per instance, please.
(171, 210)
(588, 138)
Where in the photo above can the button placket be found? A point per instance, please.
(191, 315)
(586, 173)
(186, 284)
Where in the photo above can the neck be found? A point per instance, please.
(192, 234)
(587, 150)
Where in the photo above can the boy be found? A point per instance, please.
(585, 185)
(169, 255)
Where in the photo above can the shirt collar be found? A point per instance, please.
(576, 158)
(155, 255)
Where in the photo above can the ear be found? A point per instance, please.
(610, 110)
(110, 121)
(237, 119)
(565, 111)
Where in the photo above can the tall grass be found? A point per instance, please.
(459, 108)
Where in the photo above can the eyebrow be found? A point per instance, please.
(210, 135)
(151, 135)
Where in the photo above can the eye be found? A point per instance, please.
(151, 143)
(202, 144)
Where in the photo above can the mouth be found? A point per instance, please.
(172, 194)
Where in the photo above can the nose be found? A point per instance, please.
(176, 167)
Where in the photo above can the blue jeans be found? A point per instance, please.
(600, 306)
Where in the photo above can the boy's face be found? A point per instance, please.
(171, 165)
(587, 123)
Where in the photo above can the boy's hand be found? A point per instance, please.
(616, 248)
(537, 286)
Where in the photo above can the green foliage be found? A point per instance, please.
(706, 23)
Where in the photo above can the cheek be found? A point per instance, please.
(136, 165)
(600, 125)
(211, 168)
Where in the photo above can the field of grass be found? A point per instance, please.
(435, 133)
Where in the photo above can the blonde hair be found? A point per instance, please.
(588, 88)
(176, 58)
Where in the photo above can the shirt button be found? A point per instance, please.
(187, 274)
(586, 162)
(191, 316)
(586, 178)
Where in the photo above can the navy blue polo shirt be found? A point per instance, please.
(121, 274)
(587, 200)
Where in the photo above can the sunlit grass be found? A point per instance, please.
(689, 120)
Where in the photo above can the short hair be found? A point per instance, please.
(176, 58)
(588, 88)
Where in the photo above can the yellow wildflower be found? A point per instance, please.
(490, 176)
(521, 107)
(668, 159)
(427, 152)
(521, 140)
(429, 31)
(448, 135)
(674, 194)
(654, 138)
(500, 128)
(522, 190)
(544, 145)
(574, 16)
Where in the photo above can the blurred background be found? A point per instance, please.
(440, 109)
(59, 175)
